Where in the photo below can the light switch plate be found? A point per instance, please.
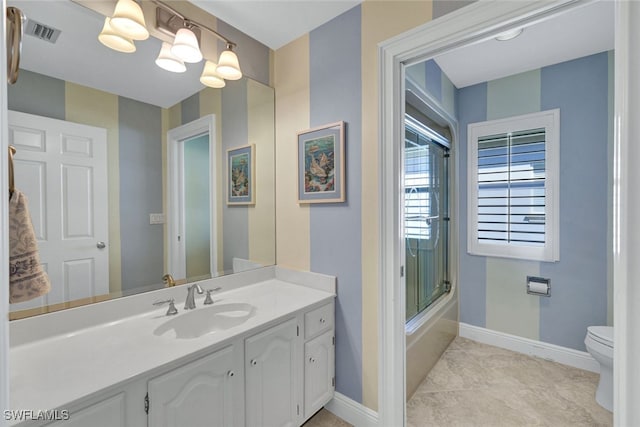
(156, 218)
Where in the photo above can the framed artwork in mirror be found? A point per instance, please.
(241, 175)
(321, 170)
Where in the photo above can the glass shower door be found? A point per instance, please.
(426, 217)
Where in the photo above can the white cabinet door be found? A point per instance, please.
(272, 377)
(319, 371)
(207, 392)
(106, 413)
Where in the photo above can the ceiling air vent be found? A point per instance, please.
(41, 31)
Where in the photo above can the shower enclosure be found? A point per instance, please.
(426, 216)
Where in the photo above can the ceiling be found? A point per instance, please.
(78, 57)
(580, 32)
(276, 22)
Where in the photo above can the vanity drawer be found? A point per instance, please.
(318, 320)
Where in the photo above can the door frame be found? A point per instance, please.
(477, 21)
(175, 202)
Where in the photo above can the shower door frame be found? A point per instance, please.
(449, 189)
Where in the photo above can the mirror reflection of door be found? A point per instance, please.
(61, 167)
(197, 206)
(192, 200)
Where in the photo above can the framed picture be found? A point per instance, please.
(321, 164)
(241, 176)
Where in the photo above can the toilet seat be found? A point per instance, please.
(601, 334)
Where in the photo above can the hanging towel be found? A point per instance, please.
(27, 279)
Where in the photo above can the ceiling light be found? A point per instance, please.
(115, 40)
(509, 35)
(228, 66)
(185, 46)
(210, 76)
(169, 61)
(128, 19)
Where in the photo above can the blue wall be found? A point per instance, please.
(579, 280)
(235, 133)
(472, 107)
(336, 236)
(579, 88)
(140, 136)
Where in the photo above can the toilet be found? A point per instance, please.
(599, 342)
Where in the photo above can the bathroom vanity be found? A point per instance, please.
(261, 354)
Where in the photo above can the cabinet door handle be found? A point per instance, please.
(254, 362)
(312, 360)
(322, 320)
(230, 373)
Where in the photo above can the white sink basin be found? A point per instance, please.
(205, 320)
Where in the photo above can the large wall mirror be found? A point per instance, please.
(95, 131)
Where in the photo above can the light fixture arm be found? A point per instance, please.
(190, 22)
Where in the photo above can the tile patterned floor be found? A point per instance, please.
(324, 418)
(475, 384)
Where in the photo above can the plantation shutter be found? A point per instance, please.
(511, 188)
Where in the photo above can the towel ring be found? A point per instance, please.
(14, 42)
(12, 184)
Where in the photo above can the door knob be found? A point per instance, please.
(101, 245)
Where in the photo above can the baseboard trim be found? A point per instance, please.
(556, 353)
(351, 411)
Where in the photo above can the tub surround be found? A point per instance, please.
(56, 363)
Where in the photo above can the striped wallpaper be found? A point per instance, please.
(136, 137)
(330, 74)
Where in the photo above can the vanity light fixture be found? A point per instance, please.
(127, 24)
(168, 61)
(114, 40)
(210, 76)
(128, 20)
(185, 46)
(509, 35)
(228, 65)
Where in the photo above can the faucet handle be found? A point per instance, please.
(208, 300)
(172, 307)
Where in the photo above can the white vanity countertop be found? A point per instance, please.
(54, 372)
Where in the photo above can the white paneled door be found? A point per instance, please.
(62, 169)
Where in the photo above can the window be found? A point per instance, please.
(513, 174)
(426, 217)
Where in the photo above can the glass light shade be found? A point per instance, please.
(228, 66)
(114, 40)
(210, 77)
(185, 46)
(128, 19)
(169, 61)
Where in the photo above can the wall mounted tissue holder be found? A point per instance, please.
(538, 286)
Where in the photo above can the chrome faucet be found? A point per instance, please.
(208, 300)
(190, 302)
(172, 308)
